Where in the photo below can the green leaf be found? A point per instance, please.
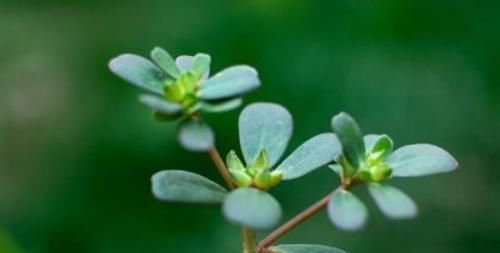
(420, 160)
(230, 82)
(138, 71)
(160, 105)
(201, 64)
(394, 203)
(184, 186)
(253, 208)
(264, 125)
(305, 248)
(350, 136)
(163, 59)
(184, 62)
(381, 144)
(336, 168)
(314, 153)
(224, 106)
(346, 211)
(195, 135)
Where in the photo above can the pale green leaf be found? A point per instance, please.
(264, 125)
(346, 211)
(394, 203)
(252, 208)
(378, 144)
(350, 136)
(335, 168)
(138, 71)
(184, 62)
(160, 105)
(201, 64)
(196, 135)
(419, 160)
(230, 82)
(305, 248)
(184, 186)
(163, 59)
(314, 153)
(216, 107)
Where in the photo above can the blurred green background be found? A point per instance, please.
(77, 150)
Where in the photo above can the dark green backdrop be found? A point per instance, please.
(77, 150)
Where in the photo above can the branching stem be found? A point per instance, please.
(299, 218)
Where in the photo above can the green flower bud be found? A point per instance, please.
(276, 177)
(261, 162)
(240, 178)
(380, 172)
(263, 179)
(233, 162)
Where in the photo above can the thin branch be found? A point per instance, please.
(263, 245)
(221, 166)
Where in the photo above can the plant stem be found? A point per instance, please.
(249, 241)
(249, 236)
(299, 218)
(221, 166)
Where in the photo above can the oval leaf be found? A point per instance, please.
(346, 211)
(201, 64)
(230, 82)
(380, 145)
(420, 160)
(305, 248)
(138, 71)
(184, 186)
(196, 135)
(350, 136)
(394, 203)
(160, 105)
(314, 153)
(184, 62)
(264, 125)
(253, 208)
(221, 106)
(163, 59)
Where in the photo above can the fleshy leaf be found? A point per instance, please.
(138, 71)
(184, 62)
(253, 208)
(336, 168)
(160, 105)
(394, 203)
(201, 64)
(224, 106)
(184, 186)
(380, 145)
(163, 59)
(314, 153)
(230, 82)
(264, 125)
(350, 136)
(195, 135)
(305, 248)
(346, 211)
(420, 160)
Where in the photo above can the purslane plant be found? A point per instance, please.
(181, 90)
